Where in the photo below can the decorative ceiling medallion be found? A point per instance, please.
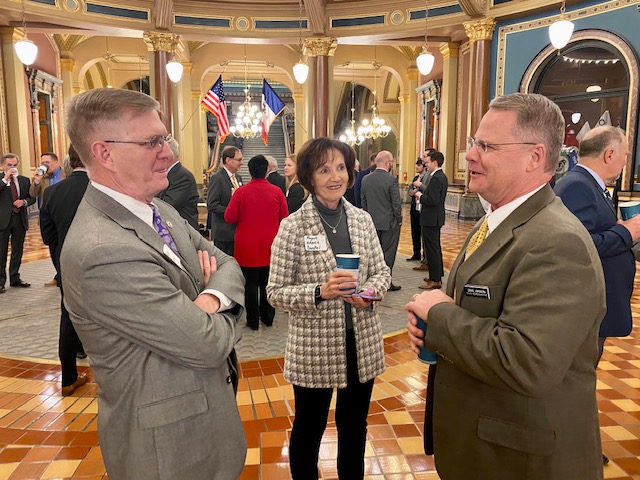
(71, 5)
(242, 23)
(396, 17)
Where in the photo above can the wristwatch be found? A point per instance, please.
(317, 295)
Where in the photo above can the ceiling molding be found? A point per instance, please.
(473, 8)
(317, 15)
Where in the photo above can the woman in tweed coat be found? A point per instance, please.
(335, 339)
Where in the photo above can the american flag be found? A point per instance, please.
(214, 102)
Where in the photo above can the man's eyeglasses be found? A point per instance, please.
(153, 142)
(484, 146)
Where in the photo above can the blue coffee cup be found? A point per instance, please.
(629, 209)
(425, 355)
(348, 262)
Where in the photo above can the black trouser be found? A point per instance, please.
(431, 237)
(255, 296)
(416, 234)
(312, 410)
(226, 247)
(68, 346)
(55, 259)
(16, 231)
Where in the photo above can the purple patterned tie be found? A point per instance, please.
(161, 228)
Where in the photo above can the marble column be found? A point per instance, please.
(407, 139)
(320, 51)
(17, 97)
(162, 44)
(199, 135)
(301, 127)
(448, 103)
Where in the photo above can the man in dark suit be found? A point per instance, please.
(182, 192)
(380, 197)
(432, 217)
(414, 215)
(603, 154)
(273, 176)
(58, 210)
(14, 223)
(514, 389)
(357, 186)
(222, 184)
(155, 305)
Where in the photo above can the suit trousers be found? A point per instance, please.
(68, 346)
(389, 242)
(16, 231)
(416, 234)
(431, 237)
(312, 410)
(226, 247)
(255, 297)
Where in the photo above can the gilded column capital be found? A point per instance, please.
(188, 67)
(480, 30)
(161, 41)
(67, 64)
(450, 50)
(404, 99)
(320, 46)
(412, 74)
(297, 97)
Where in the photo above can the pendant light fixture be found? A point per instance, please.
(560, 31)
(425, 60)
(26, 50)
(350, 135)
(174, 67)
(300, 69)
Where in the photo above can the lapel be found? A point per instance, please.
(128, 221)
(462, 270)
(592, 181)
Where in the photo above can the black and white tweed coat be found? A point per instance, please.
(315, 356)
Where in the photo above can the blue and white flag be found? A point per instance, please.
(271, 108)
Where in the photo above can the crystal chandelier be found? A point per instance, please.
(377, 127)
(247, 119)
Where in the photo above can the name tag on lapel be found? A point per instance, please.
(478, 291)
(171, 254)
(315, 243)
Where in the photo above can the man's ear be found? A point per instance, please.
(101, 153)
(537, 158)
(607, 155)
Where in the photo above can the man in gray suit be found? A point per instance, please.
(155, 305)
(516, 333)
(380, 196)
(222, 185)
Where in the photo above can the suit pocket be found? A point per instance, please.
(516, 437)
(172, 410)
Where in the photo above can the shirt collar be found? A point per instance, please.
(138, 208)
(499, 215)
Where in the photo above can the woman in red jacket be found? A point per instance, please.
(257, 208)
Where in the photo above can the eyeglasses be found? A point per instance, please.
(484, 146)
(153, 142)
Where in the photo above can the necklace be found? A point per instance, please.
(333, 229)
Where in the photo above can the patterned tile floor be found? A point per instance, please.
(45, 436)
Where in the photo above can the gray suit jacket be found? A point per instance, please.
(167, 408)
(219, 194)
(380, 196)
(515, 388)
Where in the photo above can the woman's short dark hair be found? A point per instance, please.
(258, 166)
(316, 152)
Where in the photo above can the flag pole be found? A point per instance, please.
(296, 119)
(190, 116)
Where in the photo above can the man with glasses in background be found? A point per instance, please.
(514, 389)
(155, 305)
(222, 185)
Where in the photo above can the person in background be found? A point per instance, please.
(56, 215)
(222, 185)
(257, 210)
(350, 194)
(273, 176)
(603, 154)
(182, 192)
(361, 174)
(414, 214)
(14, 222)
(335, 338)
(296, 193)
(516, 333)
(155, 305)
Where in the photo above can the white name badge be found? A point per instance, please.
(315, 243)
(170, 253)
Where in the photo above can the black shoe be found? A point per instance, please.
(253, 327)
(81, 355)
(394, 288)
(605, 459)
(20, 284)
(413, 259)
(2, 289)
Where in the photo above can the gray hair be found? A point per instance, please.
(273, 163)
(7, 156)
(538, 120)
(175, 147)
(596, 141)
(89, 113)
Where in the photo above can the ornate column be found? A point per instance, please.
(199, 136)
(300, 114)
(17, 97)
(447, 141)
(321, 49)
(161, 44)
(67, 64)
(407, 143)
(184, 119)
(480, 34)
